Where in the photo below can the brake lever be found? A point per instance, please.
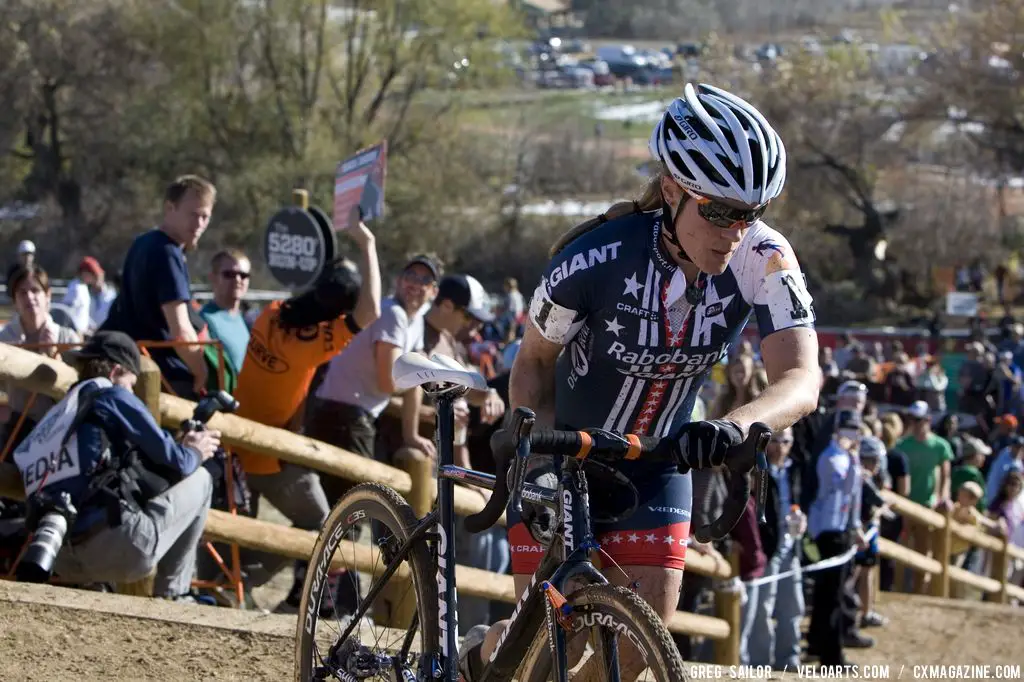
(524, 421)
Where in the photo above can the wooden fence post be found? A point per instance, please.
(728, 603)
(999, 571)
(941, 538)
(399, 596)
(147, 388)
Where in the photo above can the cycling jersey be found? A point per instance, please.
(637, 353)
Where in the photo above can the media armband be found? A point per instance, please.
(555, 323)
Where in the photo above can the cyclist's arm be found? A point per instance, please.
(532, 382)
(777, 290)
(791, 360)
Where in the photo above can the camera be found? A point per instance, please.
(49, 516)
(219, 401)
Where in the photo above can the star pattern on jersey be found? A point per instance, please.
(613, 326)
(651, 404)
(707, 324)
(646, 539)
(633, 286)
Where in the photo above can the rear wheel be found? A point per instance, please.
(604, 619)
(363, 533)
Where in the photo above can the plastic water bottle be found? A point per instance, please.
(794, 521)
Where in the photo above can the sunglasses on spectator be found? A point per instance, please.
(725, 216)
(234, 274)
(424, 280)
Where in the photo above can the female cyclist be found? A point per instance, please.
(643, 301)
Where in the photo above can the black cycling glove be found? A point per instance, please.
(705, 444)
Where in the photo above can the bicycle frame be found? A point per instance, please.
(576, 540)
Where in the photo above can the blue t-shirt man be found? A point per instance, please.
(230, 329)
(155, 273)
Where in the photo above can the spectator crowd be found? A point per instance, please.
(939, 426)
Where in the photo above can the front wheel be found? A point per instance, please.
(359, 542)
(604, 621)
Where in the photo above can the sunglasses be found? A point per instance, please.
(724, 216)
(234, 274)
(424, 280)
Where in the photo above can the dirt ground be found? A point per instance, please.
(51, 633)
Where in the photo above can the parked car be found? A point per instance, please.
(602, 73)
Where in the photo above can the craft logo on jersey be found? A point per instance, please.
(579, 355)
(579, 261)
(638, 312)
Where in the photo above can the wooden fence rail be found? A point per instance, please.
(53, 378)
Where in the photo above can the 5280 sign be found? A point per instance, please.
(295, 247)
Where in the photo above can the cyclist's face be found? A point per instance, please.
(709, 247)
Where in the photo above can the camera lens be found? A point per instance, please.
(36, 565)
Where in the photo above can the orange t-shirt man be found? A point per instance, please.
(278, 369)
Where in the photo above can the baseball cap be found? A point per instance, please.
(918, 409)
(975, 446)
(26, 246)
(90, 264)
(1007, 420)
(852, 388)
(973, 488)
(427, 262)
(466, 292)
(871, 448)
(110, 345)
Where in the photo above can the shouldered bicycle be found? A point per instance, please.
(404, 626)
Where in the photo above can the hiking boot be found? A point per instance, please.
(470, 664)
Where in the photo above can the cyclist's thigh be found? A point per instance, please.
(650, 545)
(526, 550)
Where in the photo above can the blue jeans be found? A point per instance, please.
(776, 644)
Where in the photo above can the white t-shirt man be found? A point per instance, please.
(351, 376)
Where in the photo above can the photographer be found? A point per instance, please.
(98, 451)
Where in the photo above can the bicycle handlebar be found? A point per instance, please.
(513, 446)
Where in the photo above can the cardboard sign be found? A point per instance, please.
(961, 304)
(359, 181)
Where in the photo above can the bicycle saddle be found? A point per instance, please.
(415, 369)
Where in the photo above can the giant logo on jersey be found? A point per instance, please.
(579, 261)
(664, 365)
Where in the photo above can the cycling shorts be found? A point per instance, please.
(656, 534)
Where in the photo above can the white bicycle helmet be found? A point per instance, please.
(719, 146)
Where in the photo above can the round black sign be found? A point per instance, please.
(295, 247)
(330, 245)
